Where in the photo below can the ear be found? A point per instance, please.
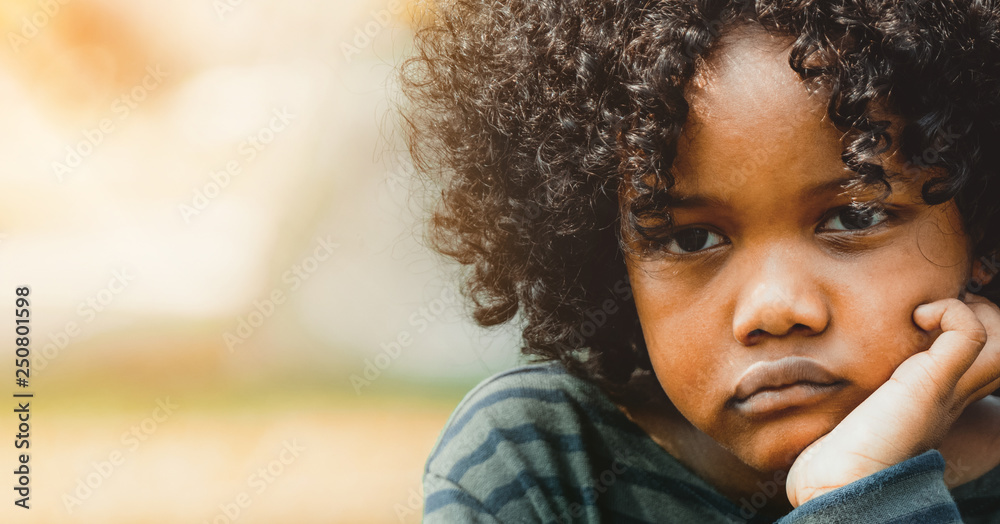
(985, 268)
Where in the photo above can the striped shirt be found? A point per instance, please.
(535, 444)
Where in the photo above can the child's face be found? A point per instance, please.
(774, 264)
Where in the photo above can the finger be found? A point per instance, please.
(981, 383)
(984, 392)
(953, 352)
(950, 315)
(983, 376)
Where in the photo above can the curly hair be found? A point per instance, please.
(534, 116)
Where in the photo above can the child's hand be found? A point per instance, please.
(918, 406)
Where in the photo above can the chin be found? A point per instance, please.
(773, 458)
(776, 445)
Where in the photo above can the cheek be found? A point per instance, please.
(685, 366)
(874, 301)
(876, 337)
(688, 335)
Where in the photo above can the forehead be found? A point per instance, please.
(748, 73)
(750, 112)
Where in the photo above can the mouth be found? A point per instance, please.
(770, 387)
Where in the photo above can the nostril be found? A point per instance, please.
(799, 328)
(754, 336)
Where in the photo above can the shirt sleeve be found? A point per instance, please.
(910, 491)
(447, 503)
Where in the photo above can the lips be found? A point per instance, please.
(768, 387)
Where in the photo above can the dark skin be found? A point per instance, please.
(769, 261)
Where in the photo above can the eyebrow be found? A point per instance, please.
(676, 199)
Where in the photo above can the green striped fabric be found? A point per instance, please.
(535, 444)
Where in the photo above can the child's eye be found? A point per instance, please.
(852, 219)
(692, 240)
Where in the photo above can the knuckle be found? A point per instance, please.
(976, 335)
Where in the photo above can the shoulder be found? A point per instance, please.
(528, 404)
(530, 434)
(536, 444)
(532, 387)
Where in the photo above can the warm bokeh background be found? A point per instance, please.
(170, 169)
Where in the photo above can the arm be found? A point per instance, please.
(910, 491)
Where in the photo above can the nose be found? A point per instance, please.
(781, 298)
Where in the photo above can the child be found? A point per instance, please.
(751, 244)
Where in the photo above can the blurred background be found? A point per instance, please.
(233, 314)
